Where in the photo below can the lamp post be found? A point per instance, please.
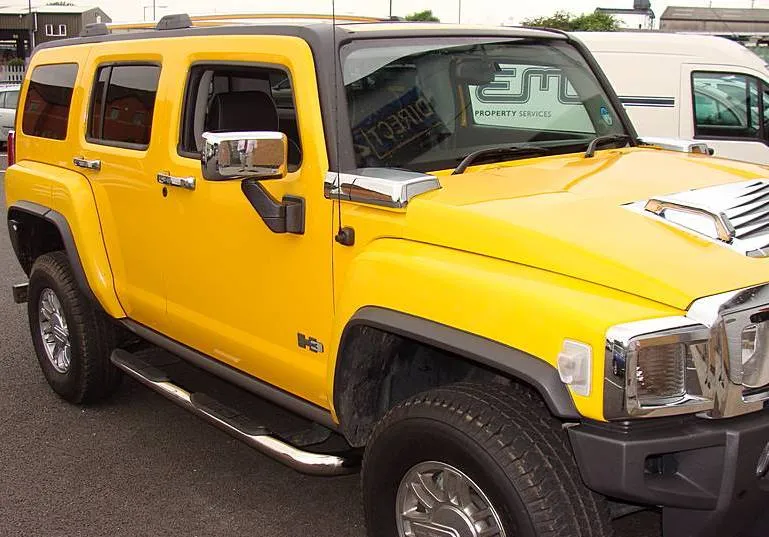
(154, 15)
(31, 28)
(459, 13)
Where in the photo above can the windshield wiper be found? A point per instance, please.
(603, 140)
(491, 152)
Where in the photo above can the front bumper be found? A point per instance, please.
(703, 473)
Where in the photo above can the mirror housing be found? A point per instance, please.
(244, 155)
(475, 71)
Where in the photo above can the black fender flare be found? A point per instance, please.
(60, 223)
(509, 361)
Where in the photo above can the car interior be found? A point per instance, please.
(229, 98)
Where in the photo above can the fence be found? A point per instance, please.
(11, 74)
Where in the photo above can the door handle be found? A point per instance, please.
(188, 183)
(88, 164)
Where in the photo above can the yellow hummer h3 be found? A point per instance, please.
(443, 247)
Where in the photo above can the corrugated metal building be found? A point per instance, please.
(715, 20)
(21, 30)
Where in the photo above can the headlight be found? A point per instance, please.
(656, 368)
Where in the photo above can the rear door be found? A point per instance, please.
(120, 154)
(726, 106)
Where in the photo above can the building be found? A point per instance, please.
(718, 21)
(639, 17)
(630, 19)
(21, 31)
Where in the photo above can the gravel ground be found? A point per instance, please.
(138, 465)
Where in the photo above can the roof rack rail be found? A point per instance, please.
(174, 22)
(95, 28)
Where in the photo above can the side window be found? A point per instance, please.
(11, 99)
(530, 97)
(726, 105)
(122, 105)
(239, 98)
(46, 108)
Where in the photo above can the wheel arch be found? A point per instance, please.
(36, 230)
(363, 381)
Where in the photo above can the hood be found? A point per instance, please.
(581, 218)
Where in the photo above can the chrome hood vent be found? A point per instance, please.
(735, 215)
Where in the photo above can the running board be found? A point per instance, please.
(232, 422)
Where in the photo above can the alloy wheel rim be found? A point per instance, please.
(54, 331)
(436, 499)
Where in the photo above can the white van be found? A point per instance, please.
(687, 86)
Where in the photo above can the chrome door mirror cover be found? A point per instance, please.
(244, 155)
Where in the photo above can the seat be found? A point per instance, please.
(242, 111)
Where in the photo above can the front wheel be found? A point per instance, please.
(476, 461)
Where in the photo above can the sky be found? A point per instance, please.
(473, 11)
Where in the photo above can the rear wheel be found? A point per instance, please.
(73, 338)
(476, 461)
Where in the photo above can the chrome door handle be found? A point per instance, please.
(88, 164)
(164, 178)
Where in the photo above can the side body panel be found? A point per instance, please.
(44, 174)
(524, 308)
(652, 102)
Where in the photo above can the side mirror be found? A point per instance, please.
(244, 155)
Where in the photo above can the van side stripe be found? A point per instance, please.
(662, 102)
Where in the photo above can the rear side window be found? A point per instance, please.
(123, 104)
(46, 109)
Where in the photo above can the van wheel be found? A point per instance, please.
(73, 338)
(476, 461)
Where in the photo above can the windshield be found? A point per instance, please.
(421, 105)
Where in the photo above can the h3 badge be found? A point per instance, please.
(309, 343)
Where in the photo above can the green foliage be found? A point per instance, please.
(587, 22)
(13, 62)
(426, 15)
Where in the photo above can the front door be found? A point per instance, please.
(236, 290)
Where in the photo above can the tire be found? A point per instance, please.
(507, 445)
(89, 376)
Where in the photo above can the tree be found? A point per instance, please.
(426, 15)
(587, 22)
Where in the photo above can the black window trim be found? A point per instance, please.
(112, 143)
(761, 86)
(26, 95)
(187, 112)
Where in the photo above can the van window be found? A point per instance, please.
(46, 108)
(239, 98)
(11, 99)
(727, 105)
(122, 105)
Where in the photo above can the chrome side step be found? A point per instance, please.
(232, 422)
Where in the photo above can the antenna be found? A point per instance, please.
(344, 235)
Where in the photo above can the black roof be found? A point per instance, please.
(319, 31)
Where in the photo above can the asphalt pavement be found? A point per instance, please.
(137, 465)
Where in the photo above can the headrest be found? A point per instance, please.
(242, 111)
